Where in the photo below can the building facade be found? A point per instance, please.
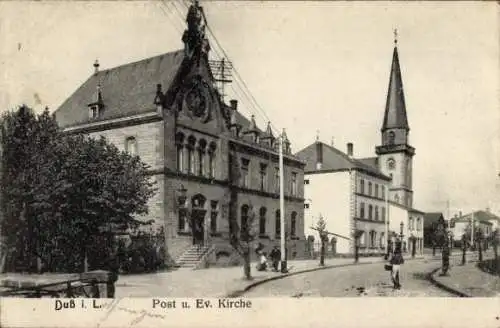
(462, 225)
(213, 167)
(367, 198)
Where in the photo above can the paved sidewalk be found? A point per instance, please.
(468, 280)
(214, 282)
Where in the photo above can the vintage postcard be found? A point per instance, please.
(264, 163)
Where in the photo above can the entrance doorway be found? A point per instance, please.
(198, 217)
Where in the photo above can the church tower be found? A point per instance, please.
(395, 154)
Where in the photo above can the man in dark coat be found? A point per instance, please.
(396, 261)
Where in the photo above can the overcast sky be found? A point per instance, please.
(310, 65)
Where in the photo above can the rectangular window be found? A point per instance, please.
(263, 177)
(376, 213)
(362, 210)
(370, 212)
(214, 213)
(382, 191)
(201, 162)
(369, 188)
(277, 179)
(211, 164)
(244, 172)
(362, 186)
(182, 221)
(383, 213)
(306, 205)
(293, 225)
(306, 181)
(294, 184)
(376, 190)
(191, 162)
(180, 158)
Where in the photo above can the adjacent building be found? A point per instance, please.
(461, 225)
(167, 110)
(370, 198)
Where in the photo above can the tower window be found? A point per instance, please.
(391, 136)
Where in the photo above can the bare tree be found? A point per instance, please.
(323, 237)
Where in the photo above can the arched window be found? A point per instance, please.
(369, 188)
(131, 146)
(191, 160)
(293, 224)
(179, 141)
(244, 221)
(370, 212)
(262, 221)
(201, 157)
(211, 159)
(198, 201)
(362, 210)
(277, 222)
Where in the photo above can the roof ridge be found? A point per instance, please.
(138, 61)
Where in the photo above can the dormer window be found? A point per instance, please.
(93, 112)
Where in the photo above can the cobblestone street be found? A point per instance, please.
(355, 281)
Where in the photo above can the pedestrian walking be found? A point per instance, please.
(396, 261)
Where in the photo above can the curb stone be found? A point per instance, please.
(239, 293)
(445, 287)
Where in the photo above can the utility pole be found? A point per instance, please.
(221, 69)
(282, 207)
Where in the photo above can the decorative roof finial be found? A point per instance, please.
(395, 36)
(96, 66)
(317, 135)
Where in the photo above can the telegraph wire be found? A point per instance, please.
(245, 89)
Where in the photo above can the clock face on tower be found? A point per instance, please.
(391, 163)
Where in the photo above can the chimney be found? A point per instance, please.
(350, 148)
(96, 66)
(234, 104)
(319, 155)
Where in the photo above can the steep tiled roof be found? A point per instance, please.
(126, 90)
(334, 160)
(370, 161)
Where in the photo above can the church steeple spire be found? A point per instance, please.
(395, 107)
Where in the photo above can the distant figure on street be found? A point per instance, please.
(262, 266)
(275, 256)
(396, 261)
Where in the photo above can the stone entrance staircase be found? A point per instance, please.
(194, 256)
